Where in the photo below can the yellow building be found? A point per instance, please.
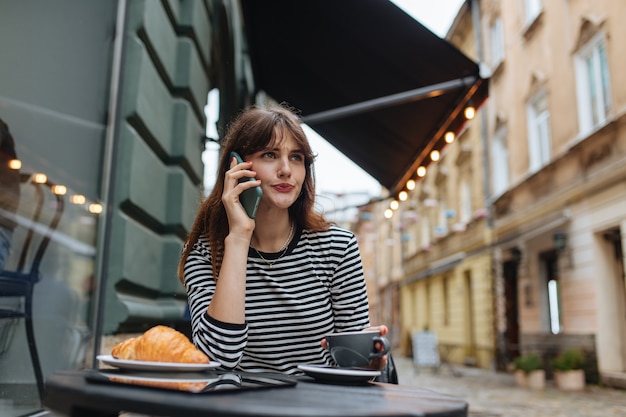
(448, 284)
(432, 264)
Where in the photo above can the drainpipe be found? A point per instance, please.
(500, 343)
(109, 170)
(475, 10)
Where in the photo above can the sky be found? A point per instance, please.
(341, 183)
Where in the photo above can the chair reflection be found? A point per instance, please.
(18, 282)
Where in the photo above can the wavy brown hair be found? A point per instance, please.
(254, 129)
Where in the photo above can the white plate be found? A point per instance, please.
(156, 366)
(341, 375)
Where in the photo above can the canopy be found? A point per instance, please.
(366, 76)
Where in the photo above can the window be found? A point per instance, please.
(592, 85)
(552, 305)
(500, 162)
(497, 42)
(532, 9)
(446, 300)
(538, 118)
(465, 196)
(428, 305)
(441, 229)
(425, 238)
(553, 301)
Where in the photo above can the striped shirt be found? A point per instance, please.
(316, 288)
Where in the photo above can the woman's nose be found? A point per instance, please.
(284, 169)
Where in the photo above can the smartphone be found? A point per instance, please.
(250, 198)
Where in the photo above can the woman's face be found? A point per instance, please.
(282, 172)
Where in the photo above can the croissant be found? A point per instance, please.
(159, 344)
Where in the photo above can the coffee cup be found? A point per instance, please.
(356, 349)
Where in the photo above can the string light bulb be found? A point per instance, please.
(410, 185)
(59, 189)
(394, 205)
(469, 112)
(40, 178)
(388, 213)
(95, 208)
(421, 171)
(15, 164)
(78, 199)
(434, 155)
(403, 195)
(449, 137)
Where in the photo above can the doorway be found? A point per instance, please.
(510, 274)
(614, 238)
(470, 329)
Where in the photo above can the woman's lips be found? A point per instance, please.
(283, 188)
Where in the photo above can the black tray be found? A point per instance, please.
(193, 382)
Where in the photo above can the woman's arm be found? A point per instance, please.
(228, 302)
(217, 304)
(222, 341)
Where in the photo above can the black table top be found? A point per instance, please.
(70, 394)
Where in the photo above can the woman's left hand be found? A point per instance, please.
(379, 363)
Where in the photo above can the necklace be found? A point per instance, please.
(282, 250)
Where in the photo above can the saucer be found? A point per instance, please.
(339, 375)
(156, 366)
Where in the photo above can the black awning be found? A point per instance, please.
(367, 77)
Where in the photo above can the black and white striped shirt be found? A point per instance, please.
(316, 288)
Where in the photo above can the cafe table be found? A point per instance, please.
(70, 393)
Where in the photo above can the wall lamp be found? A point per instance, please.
(559, 240)
(516, 255)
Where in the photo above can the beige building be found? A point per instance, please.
(513, 240)
(557, 139)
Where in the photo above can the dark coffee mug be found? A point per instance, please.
(356, 349)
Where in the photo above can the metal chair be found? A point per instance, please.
(20, 282)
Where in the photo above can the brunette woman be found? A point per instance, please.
(264, 292)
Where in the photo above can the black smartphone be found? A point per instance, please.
(249, 198)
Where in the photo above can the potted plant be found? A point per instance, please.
(569, 374)
(529, 372)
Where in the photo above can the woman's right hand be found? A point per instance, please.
(228, 302)
(238, 219)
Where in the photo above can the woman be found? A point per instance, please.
(264, 292)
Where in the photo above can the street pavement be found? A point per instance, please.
(494, 394)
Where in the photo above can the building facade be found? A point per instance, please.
(516, 233)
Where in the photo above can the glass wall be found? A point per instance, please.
(54, 88)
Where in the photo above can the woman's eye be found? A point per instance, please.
(268, 155)
(297, 157)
